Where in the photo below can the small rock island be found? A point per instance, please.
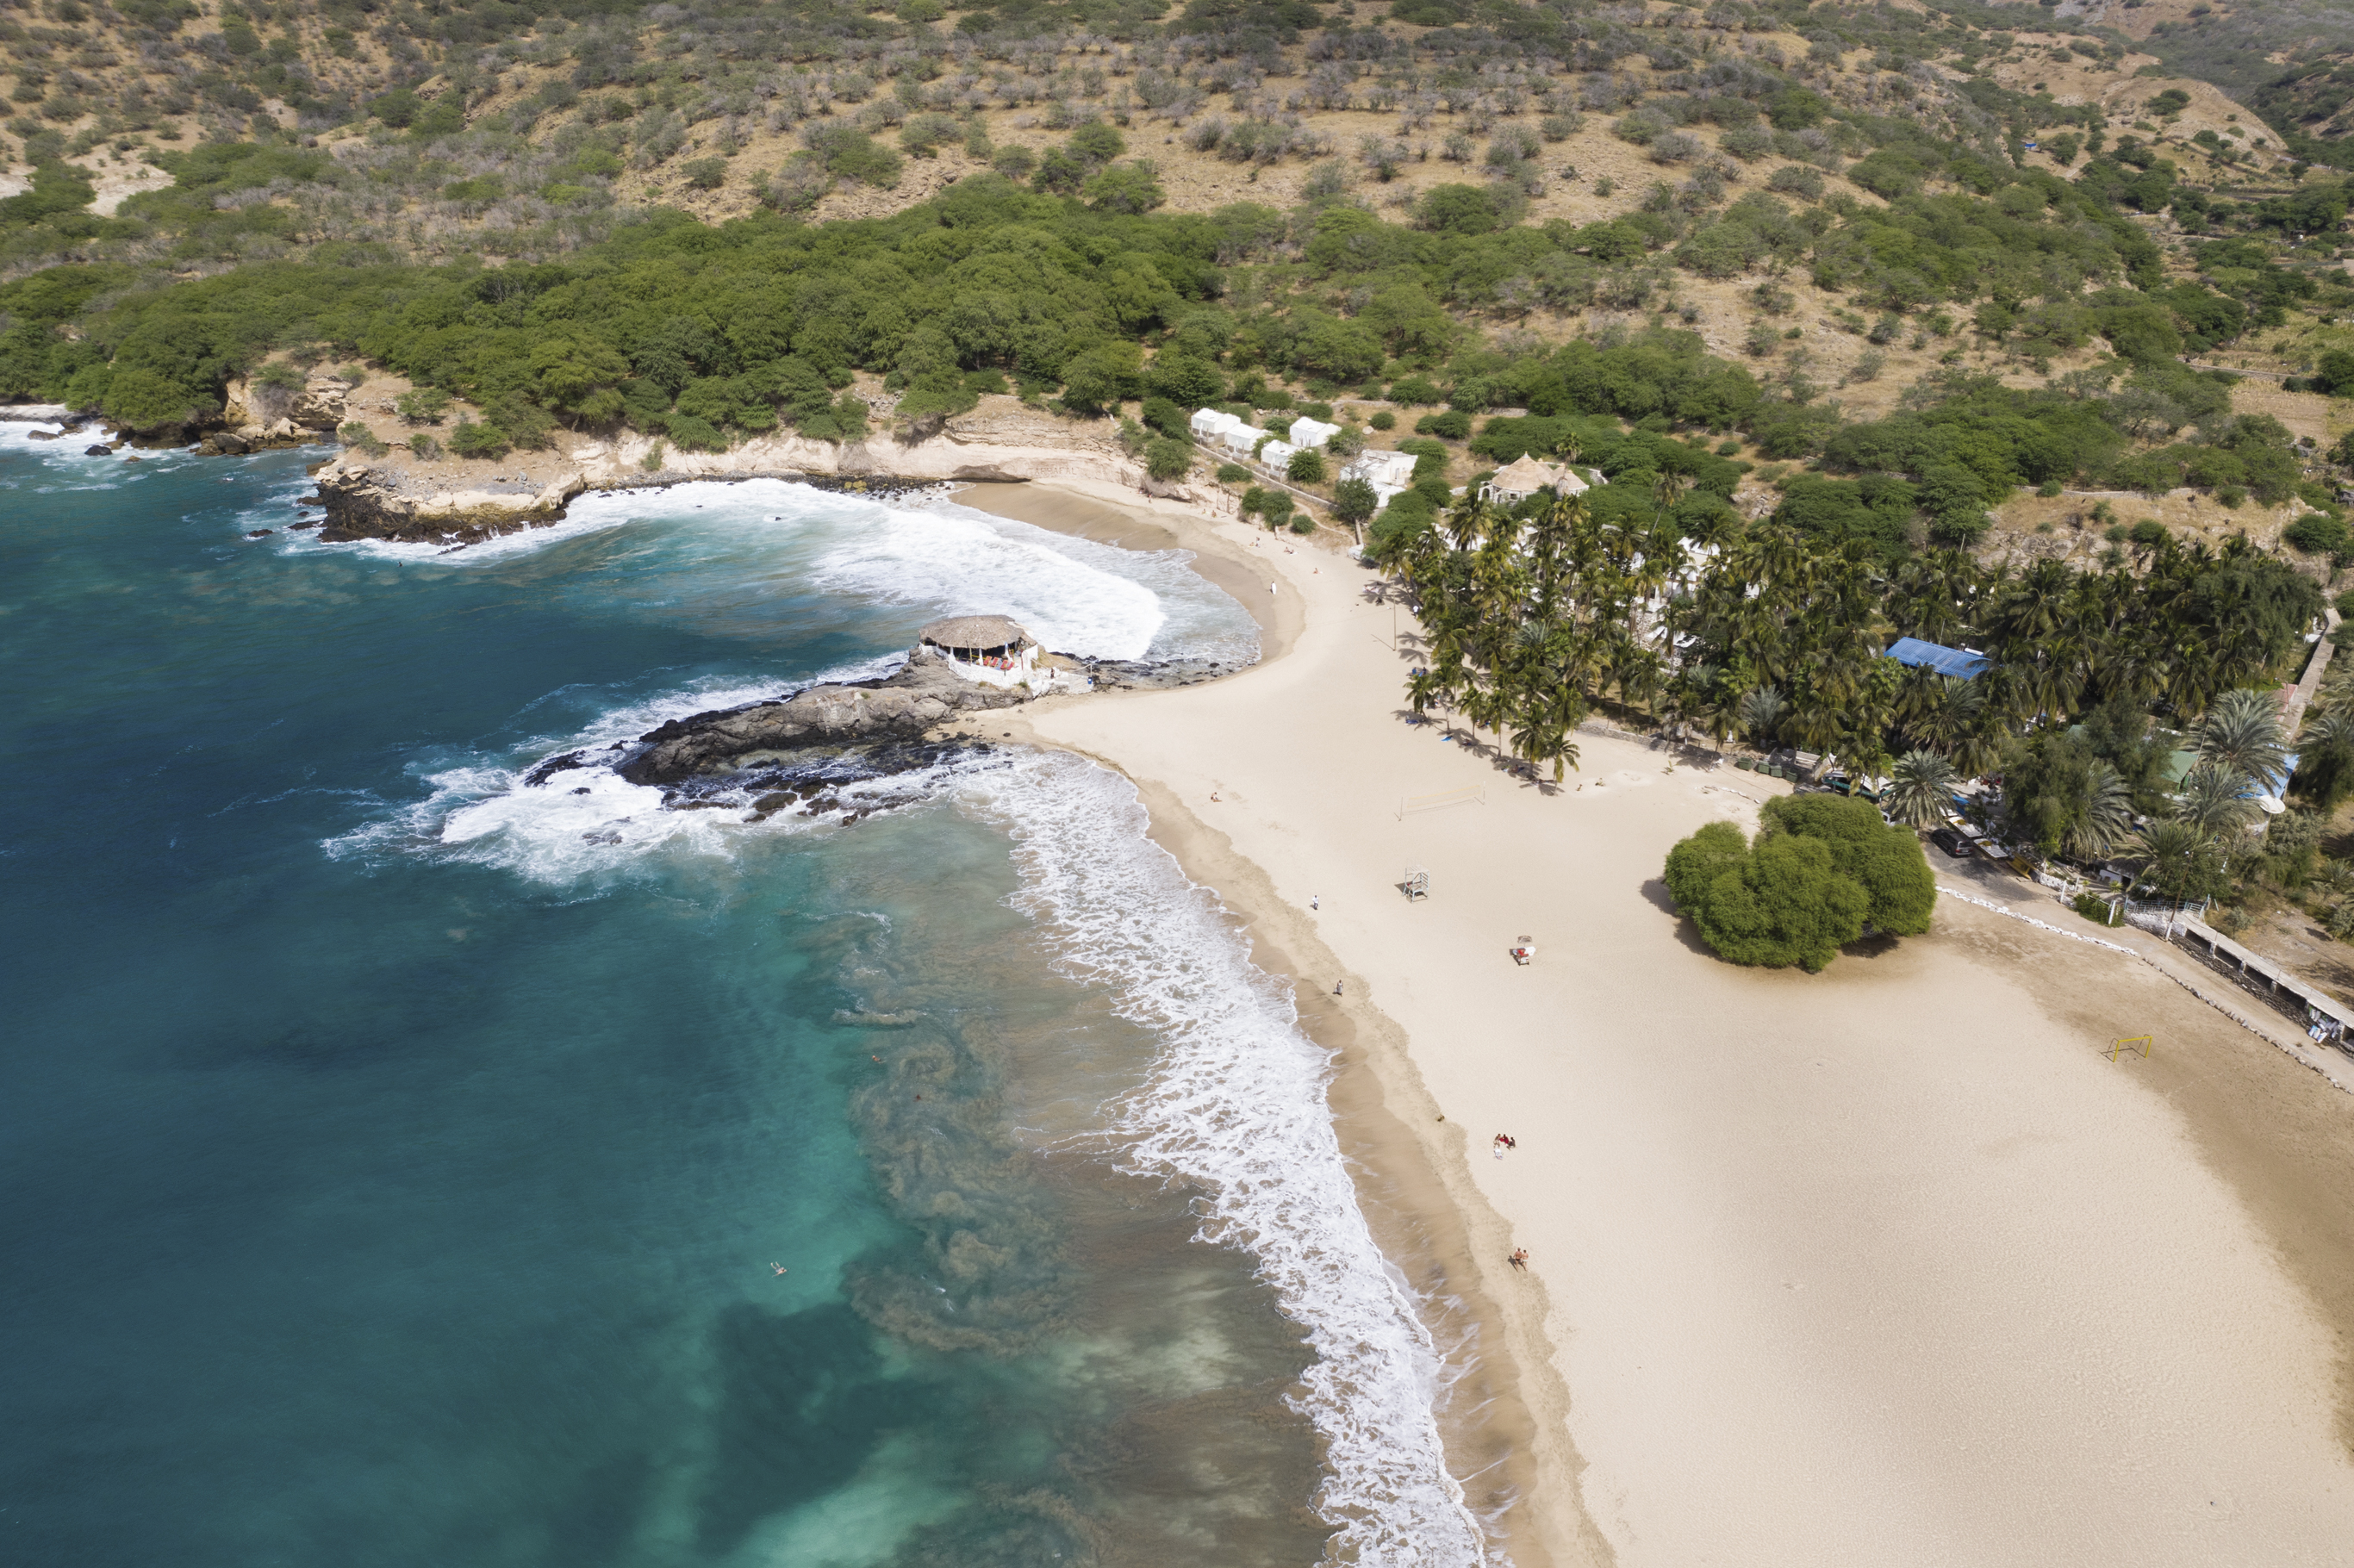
(962, 664)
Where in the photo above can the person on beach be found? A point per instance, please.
(1315, 901)
(1520, 1260)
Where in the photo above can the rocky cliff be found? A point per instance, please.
(258, 414)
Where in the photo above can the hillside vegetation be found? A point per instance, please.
(1971, 322)
(1878, 242)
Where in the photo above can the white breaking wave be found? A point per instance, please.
(952, 561)
(62, 450)
(505, 547)
(579, 822)
(1236, 1104)
(923, 552)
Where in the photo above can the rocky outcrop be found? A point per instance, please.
(364, 502)
(258, 416)
(922, 694)
(320, 406)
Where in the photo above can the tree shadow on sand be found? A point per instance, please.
(1519, 769)
(1655, 894)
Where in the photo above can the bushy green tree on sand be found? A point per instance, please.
(1821, 871)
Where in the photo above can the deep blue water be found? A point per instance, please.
(380, 1193)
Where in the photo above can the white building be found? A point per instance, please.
(1241, 439)
(1276, 455)
(1310, 432)
(1213, 424)
(1388, 473)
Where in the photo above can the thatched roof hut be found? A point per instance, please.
(1524, 476)
(967, 635)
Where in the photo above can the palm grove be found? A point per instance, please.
(1536, 616)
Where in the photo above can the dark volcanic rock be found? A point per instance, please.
(100, 449)
(1139, 675)
(554, 765)
(920, 694)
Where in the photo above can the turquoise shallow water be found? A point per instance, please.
(400, 1154)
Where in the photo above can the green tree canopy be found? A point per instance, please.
(1822, 868)
(1784, 903)
(1886, 862)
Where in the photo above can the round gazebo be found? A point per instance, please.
(985, 646)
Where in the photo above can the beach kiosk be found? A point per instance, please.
(989, 648)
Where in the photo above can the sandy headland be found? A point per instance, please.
(1890, 1264)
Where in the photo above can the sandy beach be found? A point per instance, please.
(1887, 1266)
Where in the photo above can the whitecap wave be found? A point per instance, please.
(54, 442)
(492, 812)
(1236, 1105)
(920, 551)
(951, 560)
(575, 524)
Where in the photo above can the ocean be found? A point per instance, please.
(414, 1157)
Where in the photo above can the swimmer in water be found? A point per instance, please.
(776, 1267)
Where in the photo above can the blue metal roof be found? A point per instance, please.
(1945, 660)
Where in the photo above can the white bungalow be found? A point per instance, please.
(1241, 439)
(1388, 473)
(1276, 455)
(1310, 432)
(991, 650)
(1216, 424)
(1524, 476)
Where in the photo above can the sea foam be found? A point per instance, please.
(921, 553)
(1235, 1105)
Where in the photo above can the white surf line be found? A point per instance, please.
(2304, 1054)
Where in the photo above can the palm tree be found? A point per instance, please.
(1423, 688)
(1920, 789)
(1700, 698)
(2242, 731)
(1947, 710)
(2325, 766)
(1759, 715)
(2335, 879)
(1979, 751)
(2339, 921)
(2215, 799)
(2178, 861)
(2103, 819)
